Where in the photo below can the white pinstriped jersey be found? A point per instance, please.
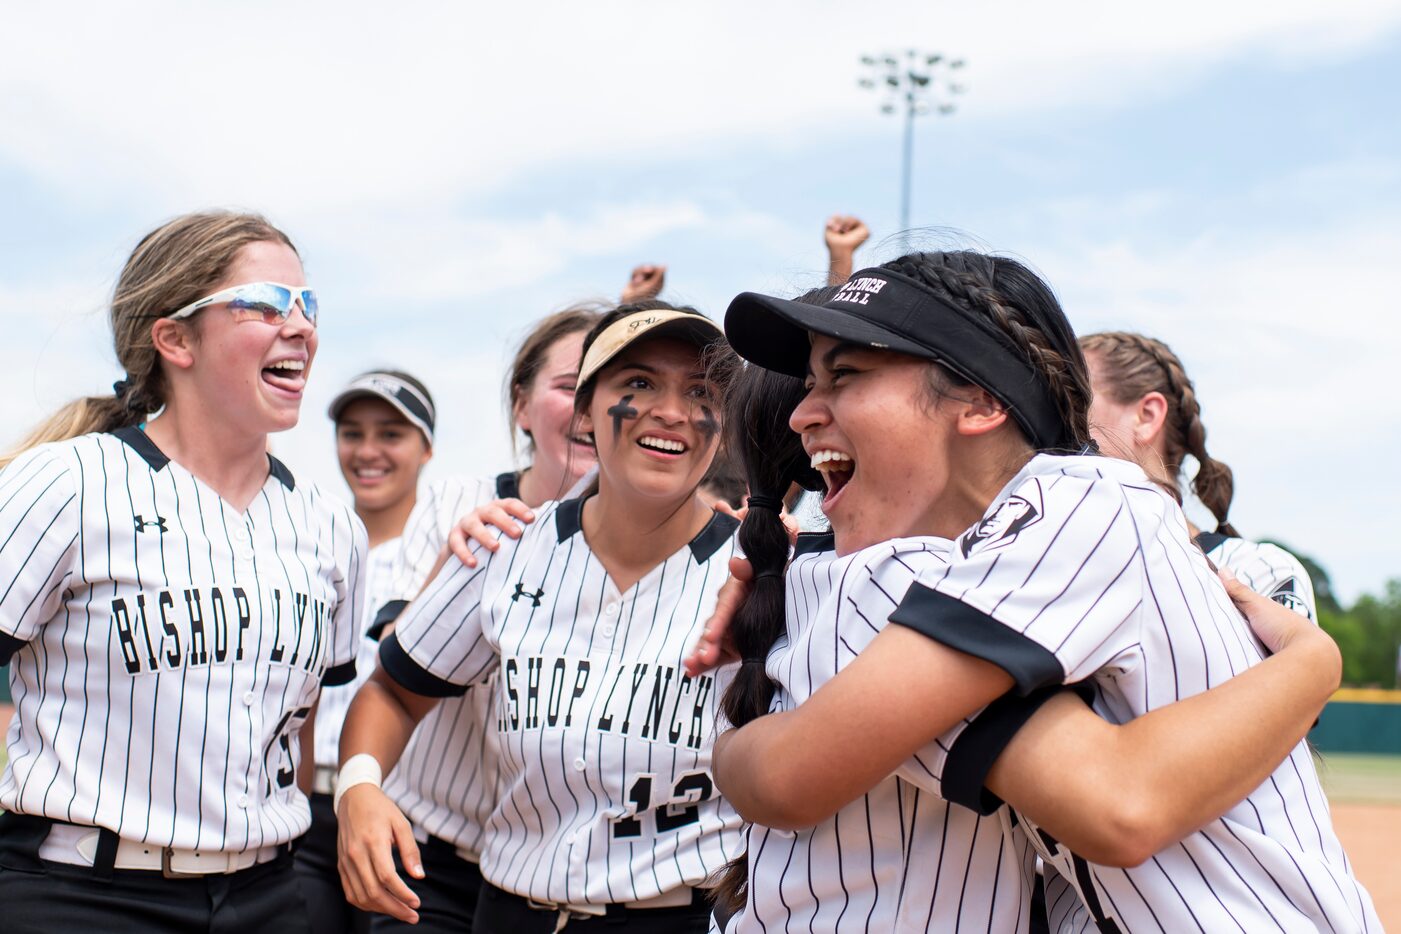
(335, 701)
(395, 570)
(900, 857)
(168, 647)
(447, 780)
(1265, 568)
(606, 793)
(1082, 569)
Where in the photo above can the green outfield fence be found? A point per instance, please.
(1360, 720)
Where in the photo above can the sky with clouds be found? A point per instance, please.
(1224, 176)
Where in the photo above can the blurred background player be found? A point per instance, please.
(1145, 410)
(384, 437)
(446, 779)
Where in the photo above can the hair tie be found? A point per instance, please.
(760, 660)
(763, 574)
(760, 501)
(121, 387)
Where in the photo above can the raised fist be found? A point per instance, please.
(844, 233)
(646, 282)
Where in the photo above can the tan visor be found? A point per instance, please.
(618, 335)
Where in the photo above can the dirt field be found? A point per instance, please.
(1370, 833)
(1365, 792)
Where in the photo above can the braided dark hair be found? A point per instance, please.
(758, 405)
(1027, 315)
(1135, 365)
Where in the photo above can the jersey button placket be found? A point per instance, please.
(610, 617)
(243, 540)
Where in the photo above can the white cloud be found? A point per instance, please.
(1290, 340)
(322, 108)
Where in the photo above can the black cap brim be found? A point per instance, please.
(772, 332)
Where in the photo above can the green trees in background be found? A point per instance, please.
(1368, 633)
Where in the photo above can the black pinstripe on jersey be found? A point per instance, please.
(172, 647)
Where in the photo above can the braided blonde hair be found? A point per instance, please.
(1133, 366)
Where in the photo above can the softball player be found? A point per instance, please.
(608, 814)
(174, 601)
(846, 869)
(1071, 568)
(1145, 409)
(447, 777)
(384, 436)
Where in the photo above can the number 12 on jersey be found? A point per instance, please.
(682, 808)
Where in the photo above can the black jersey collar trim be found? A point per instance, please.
(569, 520)
(280, 471)
(146, 449)
(138, 441)
(719, 530)
(810, 543)
(508, 485)
(1209, 541)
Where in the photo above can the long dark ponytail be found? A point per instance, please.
(757, 408)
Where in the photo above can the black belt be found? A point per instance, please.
(515, 912)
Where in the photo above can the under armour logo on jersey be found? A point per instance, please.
(1015, 514)
(157, 523)
(522, 592)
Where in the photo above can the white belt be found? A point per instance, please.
(77, 846)
(323, 780)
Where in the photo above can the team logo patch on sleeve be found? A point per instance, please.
(1002, 526)
(1287, 594)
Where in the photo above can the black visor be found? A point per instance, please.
(885, 310)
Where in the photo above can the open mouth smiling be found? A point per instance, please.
(836, 468)
(286, 375)
(668, 448)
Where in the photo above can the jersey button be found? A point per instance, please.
(248, 699)
(243, 801)
(579, 765)
(611, 609)
(606, 630)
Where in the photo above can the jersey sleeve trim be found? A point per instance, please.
(965, 629)
(975, 750)
(384, 616)
(400, 666)
(9, 645)
(344, 673)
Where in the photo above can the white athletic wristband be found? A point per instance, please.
(360, 769)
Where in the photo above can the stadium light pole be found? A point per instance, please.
(921, 82)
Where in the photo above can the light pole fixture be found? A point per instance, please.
(921, 83)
